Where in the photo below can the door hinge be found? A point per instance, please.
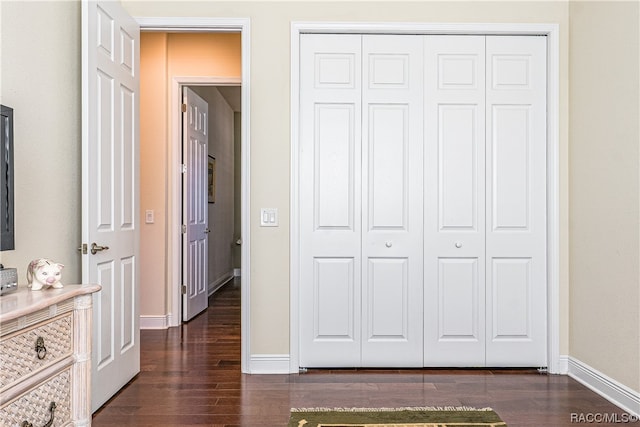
(184, 228)
(183, 168)
(184, 289)
(83, 249)
(184, 108)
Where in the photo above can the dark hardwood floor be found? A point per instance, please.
(190, 376)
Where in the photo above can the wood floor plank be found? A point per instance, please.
(190, 376)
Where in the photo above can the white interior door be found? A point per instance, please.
(455, 208)
(516, 220)
(195, 214)
(381, 157)
(392, 198)
(110, 187)
(330, 200)
(361, 200)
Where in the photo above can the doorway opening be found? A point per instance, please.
(171, 274)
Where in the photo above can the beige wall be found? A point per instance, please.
(40, 61)
(153, 171)
(604, 188)
(164, 56)
(270, 127)
(41, 74)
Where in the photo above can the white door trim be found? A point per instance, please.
(552, 32)
(174, 297)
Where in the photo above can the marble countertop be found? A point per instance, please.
(25, 301)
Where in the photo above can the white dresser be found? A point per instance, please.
(45, 357)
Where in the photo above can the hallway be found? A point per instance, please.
(190, 376)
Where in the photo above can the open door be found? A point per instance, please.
(195, 214)
(110, 191)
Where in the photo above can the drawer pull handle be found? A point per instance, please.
(41, 350)
(52, 409)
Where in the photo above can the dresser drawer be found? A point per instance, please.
(34, 405)
(18, 355)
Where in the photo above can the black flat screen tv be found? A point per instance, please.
(7, 234)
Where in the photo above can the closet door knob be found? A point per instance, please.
(458, 245)
(388, 244)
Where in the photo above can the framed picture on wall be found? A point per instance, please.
(211, 180)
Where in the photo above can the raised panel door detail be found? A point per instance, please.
(197, 160)
(387, 299)
(127, 323)
(192, 269)
(458, 167)
(334, 166)
(106, 314)
(334, 299)
(388, 71)
(334, 70)
(511, 293)
(458, 299)
(105, 151)
(105, 33)
(511, 72)
(128, 157)
(511, 167)
(457, 71)
(127, 52)
(388, 166)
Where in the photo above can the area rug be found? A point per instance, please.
(395, 417)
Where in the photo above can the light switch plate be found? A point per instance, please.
(269, 217)
(148, 216)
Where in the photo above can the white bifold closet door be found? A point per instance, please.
(516, 194)
(485, 211)
(455, 193)
(422, 200)
(361, 201)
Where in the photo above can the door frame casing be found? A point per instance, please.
(174, 180)
(552, 32)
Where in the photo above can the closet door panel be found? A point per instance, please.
(454, 201)
(330, 200)
(392, 200)
(516, 201)
(334, 167)
(458, 167)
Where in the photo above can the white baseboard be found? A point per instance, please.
(563, 365)
(214, 286)
(269, 364)
(154, 322)
(616, 393)
(237, 272)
